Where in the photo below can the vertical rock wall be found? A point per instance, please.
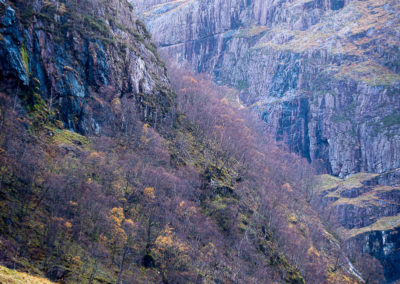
(74, 60)
(340, 56)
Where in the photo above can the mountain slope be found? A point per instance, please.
(324, 75)
(8, 276)
(109, 176)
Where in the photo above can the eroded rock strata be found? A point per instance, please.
(323, 74)
(367, 214)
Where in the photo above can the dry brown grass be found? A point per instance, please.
(382, 224)
(10, 276)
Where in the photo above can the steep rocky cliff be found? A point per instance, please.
(367, 215)
(324, 75)
(74, 60)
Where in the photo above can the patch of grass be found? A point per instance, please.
(107, 40)
(36, 106)
(138, 36)
(340, 32)
(298, 41)
(142, 25)
(63, 136)
(221, 176)
(369, 72)
(97, 25)
(382, 224)
(25, 58)
(251, 32)
(10, 276)
(373, 15)
(367, 199)
(153, 48)
(356, 180)
(326, 182)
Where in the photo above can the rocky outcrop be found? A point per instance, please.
(367, 215)
(323, 74)
(383, 244)
(80, 56)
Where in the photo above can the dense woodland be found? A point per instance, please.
(204, 196)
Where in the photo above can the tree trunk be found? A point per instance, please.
(121, 266)
(91, 278)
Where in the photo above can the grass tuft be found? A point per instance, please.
(10, 276)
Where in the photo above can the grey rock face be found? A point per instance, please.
(43, 48)
(10, 48)
(367, 215)
(384, 245)
(323, 74)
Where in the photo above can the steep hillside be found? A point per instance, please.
(9, 276)
(324, 75)
(107, 175)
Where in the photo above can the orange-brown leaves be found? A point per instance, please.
(149, 193)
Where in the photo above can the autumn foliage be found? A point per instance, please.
(212, 199)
